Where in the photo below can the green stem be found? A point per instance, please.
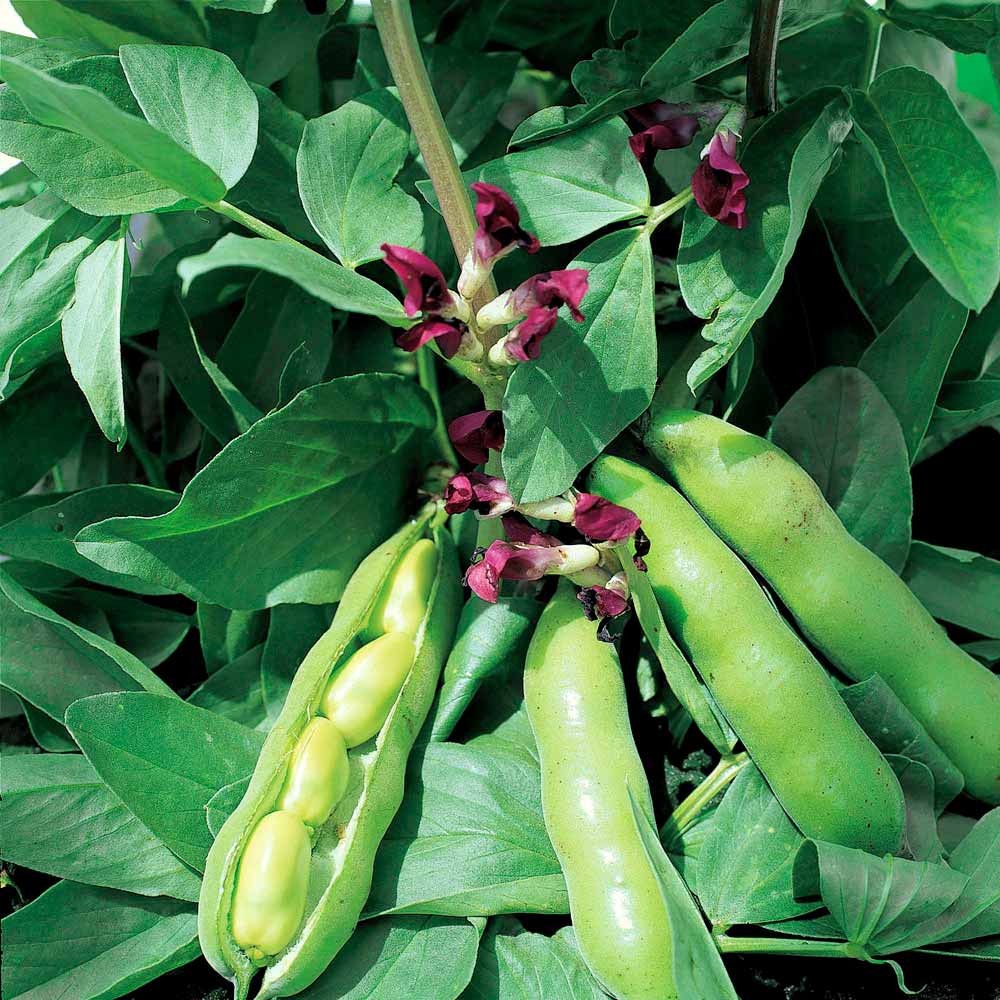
(657, 213)
(688, 811)
(873, 43)
(427, 374)
(781, 946)
(762, 60)
(255, 225)
(57, 479)
(394, 21)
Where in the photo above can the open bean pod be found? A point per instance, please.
(285, 872)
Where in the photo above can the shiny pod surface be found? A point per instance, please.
(365, 688)
(845, 599)
(271, 885)
(827, 774)
(575, 700)
(404, 600)
(317, 773)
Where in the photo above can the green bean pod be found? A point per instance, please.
(827, 774)
(343, 846)
(848, 602)
(575, 701)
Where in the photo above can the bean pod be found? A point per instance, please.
(827, 774)
(288, 874)
(848, 602)
(576, 705)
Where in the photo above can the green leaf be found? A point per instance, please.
(293, 631)
(962, 407)
(978, 856)
(698, 968)
(842, 431)
(333, 284)
(244, 6)
(894, 730)
(94, 944)
(87, 835)
(326, 474)
(219, 406)
(593, 378)
(401, 956)
(979, 348)
(226, 635)
(956, 586)
(965, 27)
(469, 837)
(941, 185)
(920, 835)
(91, 333)
(268, 189)
(168, 170)
(909, 360)
(44, 243)
(346, 166)
(51, 414)
(277, 320)
(571, 186)
(730, 276)
(491, 641)
(234, 690)
(515, 965)
(50, 661)
(47, 532)
(744, 868)
(111, 23)
(198, 98)
(164, 759)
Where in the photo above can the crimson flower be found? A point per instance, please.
(499, 223)
(426, 289)
(553, 289)
(525, 341)
(486, 495)
(603, 521)
(510, 561)
(718, 181)
(475, 433)
(517, 528)
(447, 332)
(660, 126)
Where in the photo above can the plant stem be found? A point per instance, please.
(57, 479)
(688, 811)
(394, 21)
(427, 375)
(781, 946)
(874, 22)
(762, 71)
(658, 213)
(255, 225)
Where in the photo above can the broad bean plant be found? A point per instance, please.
(498, 501)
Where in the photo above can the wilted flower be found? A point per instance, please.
(603, 521)
(486, 495)
(718, 181)
(600, 602)
(475, 433)
(660, 126)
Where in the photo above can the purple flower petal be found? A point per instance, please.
(447, 332)
(507, 561)
(475, 433)
(660, 126)
(553, 289)
(525, 341)
(518, 529)
(486, 495)
(718, 182)
(426, 290)
(499, 223)
(603, 521)
(599, 602)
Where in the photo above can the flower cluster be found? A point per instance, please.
(530, 554)
(447, 316)
(718, 180)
